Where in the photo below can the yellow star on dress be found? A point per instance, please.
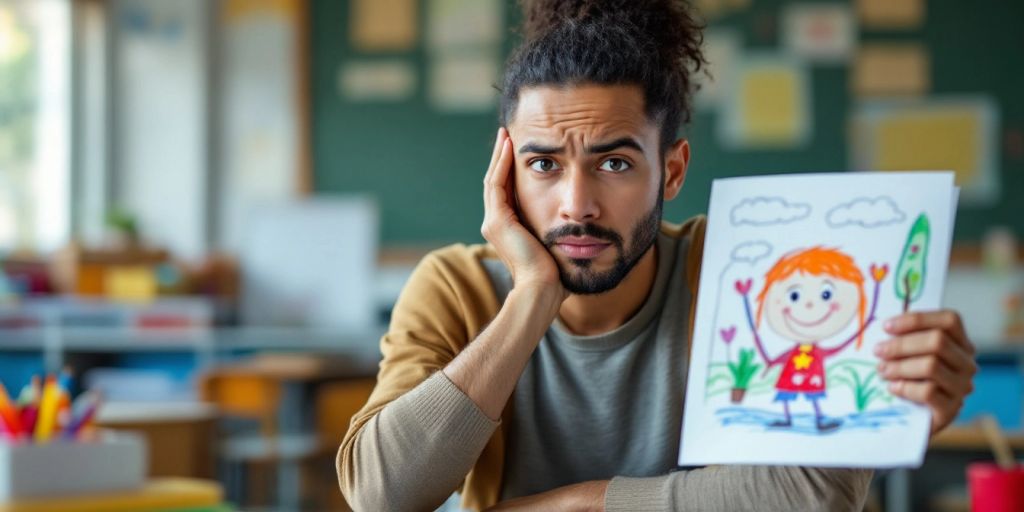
(803, 361)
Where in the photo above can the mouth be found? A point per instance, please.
(790, 318)
(581, 247)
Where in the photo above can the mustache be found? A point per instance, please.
(551, 237)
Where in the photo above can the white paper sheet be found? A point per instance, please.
(821, 241)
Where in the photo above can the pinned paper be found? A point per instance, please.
(464, 24)
(379, 25)
(798, 271)
(463, 82)
(955, 133)
(385, 80)
(721, 49)
(891, 70)
(891, 14)
(768, 105)
(820, 32)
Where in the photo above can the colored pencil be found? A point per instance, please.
(9, 414)
(47, 410)
(84, 410)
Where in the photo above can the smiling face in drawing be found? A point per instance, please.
(809, 308)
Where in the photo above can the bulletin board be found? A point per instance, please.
(426, 166)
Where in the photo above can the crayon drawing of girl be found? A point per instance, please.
(809, 296)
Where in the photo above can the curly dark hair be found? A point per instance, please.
(655, 44)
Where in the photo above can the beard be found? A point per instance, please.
(578, 275)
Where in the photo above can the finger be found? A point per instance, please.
(497, 185)
(927, 368)
(944, 407)
(924, 343)
(497, 148)
(946, 319)
(496, 202)
(495, 154)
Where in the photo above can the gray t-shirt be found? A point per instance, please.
(596, 407)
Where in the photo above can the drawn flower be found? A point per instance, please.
(728, 334)
(879, 272)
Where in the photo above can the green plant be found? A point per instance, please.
(865, 387)
(744, 369)
(123, 222)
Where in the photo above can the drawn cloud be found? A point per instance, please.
(750, 252)
(767, 211)
(866, 212)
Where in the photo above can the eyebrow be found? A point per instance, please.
(605, 147)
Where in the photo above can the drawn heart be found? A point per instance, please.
(879, 272)
(744, 286)
(728, 334)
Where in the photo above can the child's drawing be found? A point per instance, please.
(790, 301)
(808, 297)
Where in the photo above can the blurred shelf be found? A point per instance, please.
(211, 346)
(971, 438)
(103, 339)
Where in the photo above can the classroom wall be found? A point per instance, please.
(426, 167)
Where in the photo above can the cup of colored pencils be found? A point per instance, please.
(43, 411)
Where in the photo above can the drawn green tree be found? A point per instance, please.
(910, 273)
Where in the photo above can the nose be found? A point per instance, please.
(578, 203)
(810, 304)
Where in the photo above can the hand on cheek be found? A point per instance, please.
(929, 360)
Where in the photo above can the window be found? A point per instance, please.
(34, 124)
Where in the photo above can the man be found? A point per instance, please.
(546, 369)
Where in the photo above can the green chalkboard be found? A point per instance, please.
(426, 167)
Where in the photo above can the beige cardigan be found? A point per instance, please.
(437, 314)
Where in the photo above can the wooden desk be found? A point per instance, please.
(181, 494)
(179, 436)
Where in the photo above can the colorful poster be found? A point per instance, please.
(799, 271)
(824, 33)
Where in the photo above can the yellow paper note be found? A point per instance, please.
(236, 10)
(937, 140)
(891, 70)
(891, 14)
(769, 106)
(955, 134)
(378, 25)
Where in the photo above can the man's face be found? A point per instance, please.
(588, 179)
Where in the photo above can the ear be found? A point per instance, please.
(677, 159)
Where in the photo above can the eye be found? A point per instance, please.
(544, 165)
(615, 165)
(794, 296)
(826, 293)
